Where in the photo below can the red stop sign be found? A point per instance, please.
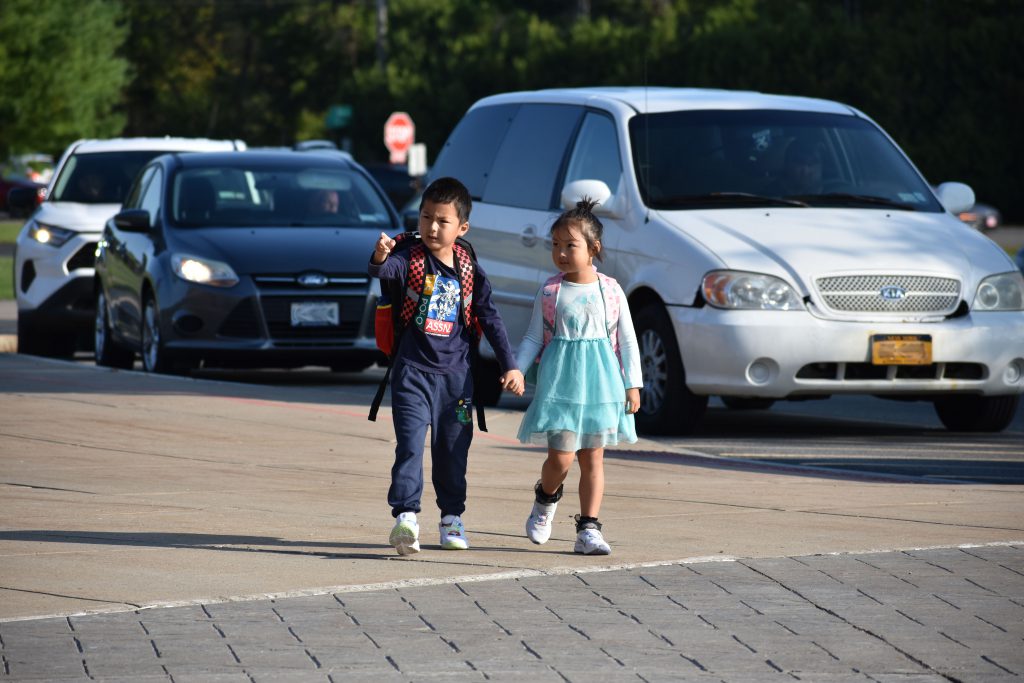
(399, 134)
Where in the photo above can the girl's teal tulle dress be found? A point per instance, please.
(580, 398)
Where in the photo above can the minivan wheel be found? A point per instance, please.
(155, 358)
(977, 413)
(108, 352)
(667, 406)
(747, 403)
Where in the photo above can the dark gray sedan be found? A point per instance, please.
(242, 259)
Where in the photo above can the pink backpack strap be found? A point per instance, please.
(549, 296)
(612, 309)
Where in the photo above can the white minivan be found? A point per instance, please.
(772, 248)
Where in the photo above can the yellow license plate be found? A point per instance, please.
(901, 349)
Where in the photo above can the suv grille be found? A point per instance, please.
(85, 257)
(890, 294)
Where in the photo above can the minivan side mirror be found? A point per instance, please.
(956, 197)
(133, 220)
(607, 203)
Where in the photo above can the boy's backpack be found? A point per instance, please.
(400, 305)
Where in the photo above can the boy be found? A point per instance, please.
(431, 383)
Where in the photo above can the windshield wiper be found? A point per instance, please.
(855, 199)
(738, 198)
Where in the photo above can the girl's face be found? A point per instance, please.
(569, 250)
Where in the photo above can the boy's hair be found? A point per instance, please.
(449, 191)
(582, 218)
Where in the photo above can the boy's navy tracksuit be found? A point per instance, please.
(432, 384)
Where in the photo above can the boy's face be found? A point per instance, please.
(439, 226)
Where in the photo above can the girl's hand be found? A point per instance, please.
(513, 381)
(384, 246)
(632, 400)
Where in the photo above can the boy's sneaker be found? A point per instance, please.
(538, 524)
(405, 535)
(453, 533)
(589, 540)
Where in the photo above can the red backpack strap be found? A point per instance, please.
(464, 264)
(414, 282)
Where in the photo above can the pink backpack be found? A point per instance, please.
(549, 297)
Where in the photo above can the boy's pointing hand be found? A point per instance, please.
(384, 246)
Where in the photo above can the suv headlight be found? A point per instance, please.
(50, 234)
(1002, 292)
(203, 271)
(749, 291)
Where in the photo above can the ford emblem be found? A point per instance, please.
(312, 279)
(892, 293)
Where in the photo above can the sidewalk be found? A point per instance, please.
(156, 528)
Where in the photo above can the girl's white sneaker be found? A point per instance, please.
(538, 524)
(591, 542)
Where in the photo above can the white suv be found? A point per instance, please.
(56, 248)
(771, 247)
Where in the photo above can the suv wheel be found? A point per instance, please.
(155, 358)
(108, 352)
(976, 413)
(36, 340)
(667, 406)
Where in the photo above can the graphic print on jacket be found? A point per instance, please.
(441, 298)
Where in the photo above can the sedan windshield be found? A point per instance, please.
(236, 196)
(729, 159)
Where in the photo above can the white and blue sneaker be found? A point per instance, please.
(589, 540)
(453, 533)
(405, 535)
(538, 524)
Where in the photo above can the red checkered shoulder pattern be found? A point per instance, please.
(417, 276)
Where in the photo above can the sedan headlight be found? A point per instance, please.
(203, 271)
(749, 291)
(1003, 292)
(50, 234)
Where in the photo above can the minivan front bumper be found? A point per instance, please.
(789, 354)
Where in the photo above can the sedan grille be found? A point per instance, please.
(890, 294)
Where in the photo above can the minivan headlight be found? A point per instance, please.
(1002, 292)
(203, 271)
(50, 234)
(749, 291)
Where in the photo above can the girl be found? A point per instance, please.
(582, 331)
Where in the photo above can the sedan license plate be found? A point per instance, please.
(314, 313)
(901, 349)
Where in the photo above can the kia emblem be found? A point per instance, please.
(312, 279)
(892, 293)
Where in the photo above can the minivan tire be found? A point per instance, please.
(667, 406)
(977, 413)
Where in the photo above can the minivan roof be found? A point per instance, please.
(659, 99)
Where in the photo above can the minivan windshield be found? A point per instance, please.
(100, 177)
(727, 159)
(241, 196)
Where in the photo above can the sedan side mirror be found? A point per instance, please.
(133, 220)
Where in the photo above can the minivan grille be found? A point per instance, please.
(890, 293)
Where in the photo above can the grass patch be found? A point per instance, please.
(9, 229)
(6, 277)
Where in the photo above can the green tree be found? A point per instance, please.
(60, 74)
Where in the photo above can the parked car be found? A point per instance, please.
(19, 196)
(55, 250)
(396, 181)
(231, 259)
(771, 247)
(982, 217)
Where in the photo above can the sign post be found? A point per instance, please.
(399, 135)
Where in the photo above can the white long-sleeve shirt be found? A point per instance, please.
(580, 314)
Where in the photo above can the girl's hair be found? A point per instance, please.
(582, 218)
